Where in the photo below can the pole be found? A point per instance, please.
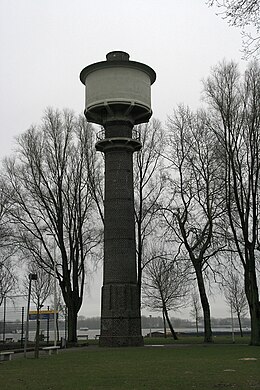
(150, 325)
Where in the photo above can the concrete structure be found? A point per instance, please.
(118, 96)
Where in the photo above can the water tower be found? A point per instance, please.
(118, 96)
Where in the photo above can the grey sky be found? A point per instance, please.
(45, 44)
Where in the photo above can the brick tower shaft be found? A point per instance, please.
(120, 319)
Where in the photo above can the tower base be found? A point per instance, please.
(117, 341)
(120, 320)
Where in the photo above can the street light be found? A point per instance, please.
(31, 277)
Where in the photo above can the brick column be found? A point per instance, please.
(120, 310)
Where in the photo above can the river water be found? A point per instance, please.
(93, 333)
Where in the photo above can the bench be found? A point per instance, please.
(9, 339)
(52, 349)
(81, 336)
(6, 355)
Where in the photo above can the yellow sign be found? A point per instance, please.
(42, 314)
(43, 311)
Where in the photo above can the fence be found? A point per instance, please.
(13, 315)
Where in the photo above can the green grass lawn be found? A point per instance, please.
(181, 367)
(186, 339)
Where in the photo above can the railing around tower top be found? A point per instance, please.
(136, 135)
(101, 135)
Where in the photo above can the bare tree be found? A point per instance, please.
(52, 196)
(194, 205)
(7, 278)
(165, 285)
(235, 296)
(235, 119)
(244, 14)
(149, 185)
(94, 164)
(7, 273)
(196, 312)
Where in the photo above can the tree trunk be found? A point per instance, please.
(139, 267)
(73, 303)
(72, 324)
(37, 335)
(197, 326)
(37, 338)
(205, 306)
(164, 325)
(57, 327)
(240, 325)
(255, 324)
(170, 325)
(251, 290)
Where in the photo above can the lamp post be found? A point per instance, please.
(31, 277)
